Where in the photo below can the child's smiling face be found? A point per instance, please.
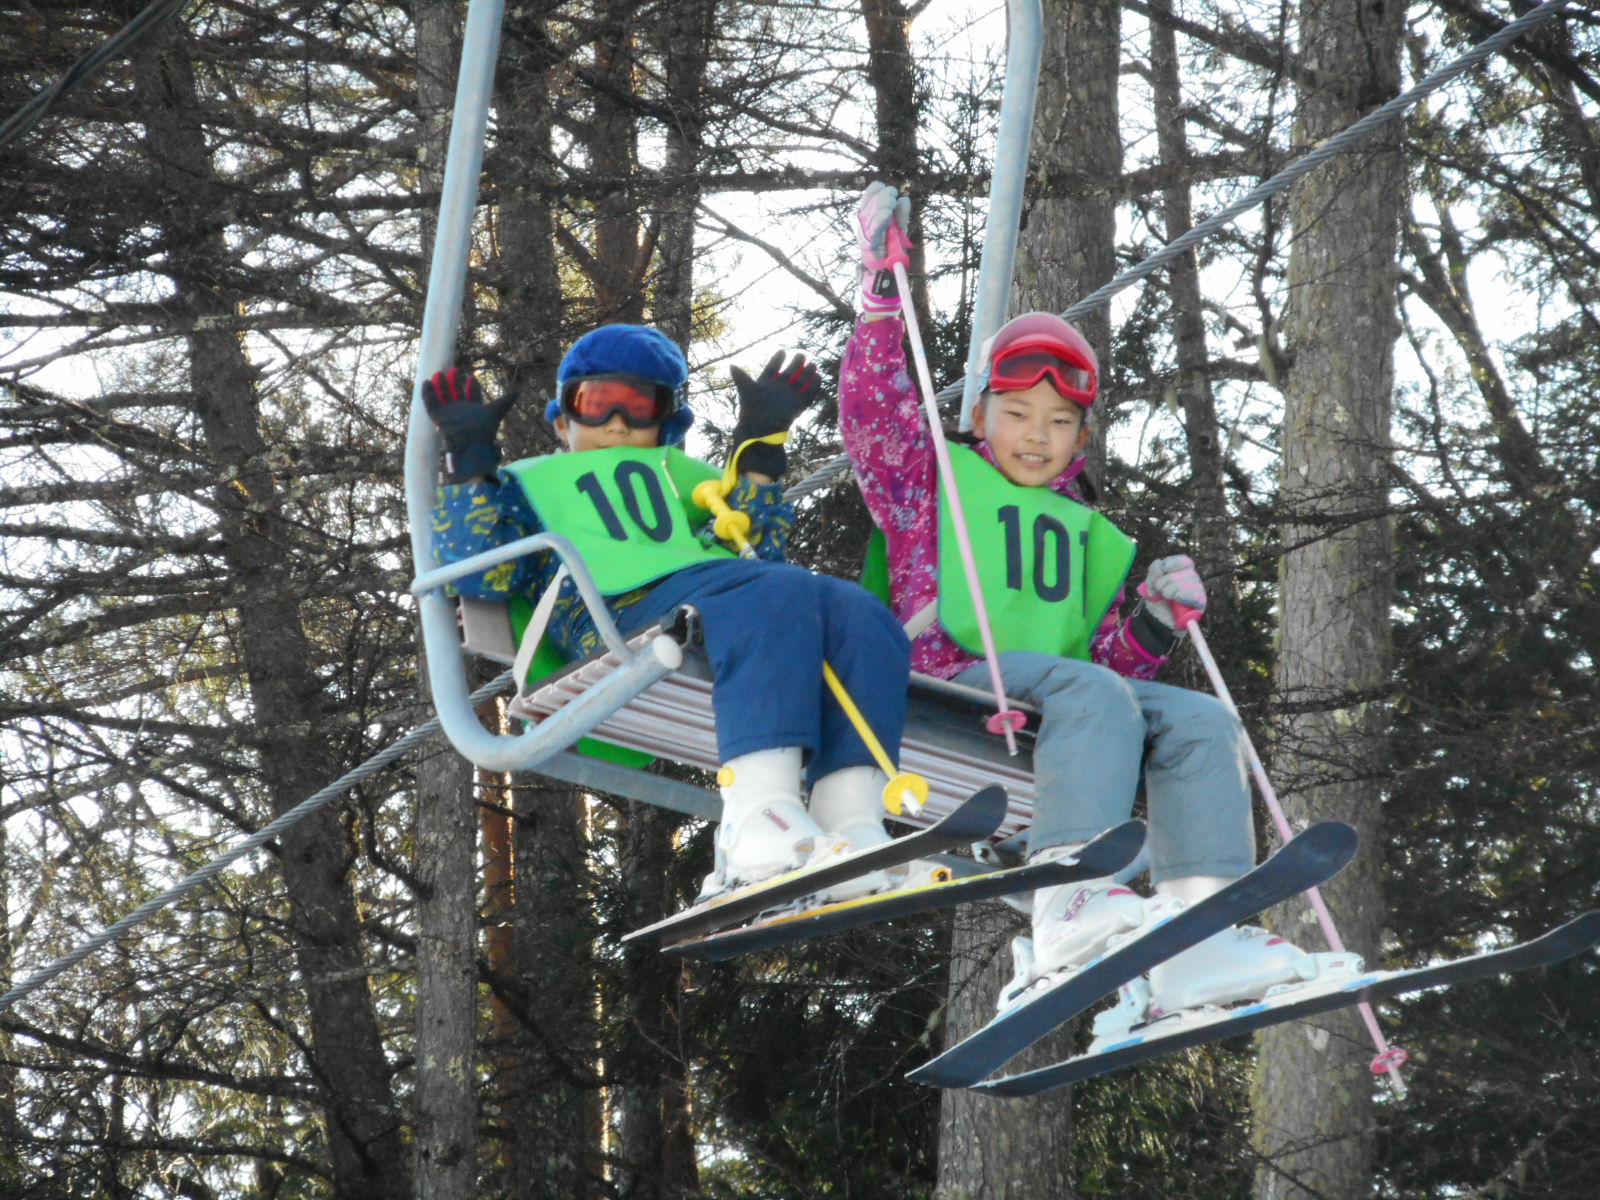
(1035, 433)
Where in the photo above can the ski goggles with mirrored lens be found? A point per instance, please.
(598, 398)
(1021, 365)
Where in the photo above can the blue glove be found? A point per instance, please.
(769, 404)
(467, 424)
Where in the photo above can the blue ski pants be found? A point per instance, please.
(1102, 733)
(768, 627)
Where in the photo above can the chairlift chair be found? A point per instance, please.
(651, 694)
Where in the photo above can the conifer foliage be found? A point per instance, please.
(213, 250)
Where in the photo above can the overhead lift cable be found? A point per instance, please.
(29, 115)
(255, 841)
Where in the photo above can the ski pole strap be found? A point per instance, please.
(730, 473)
(947, 480)
(1182, 615)
(728, 523)
(905, 789)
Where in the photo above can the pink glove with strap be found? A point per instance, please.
(881, 220)
(1173, 592)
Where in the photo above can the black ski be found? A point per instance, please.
(1315, 855)
(1106, 855)
(1149, 1041)
(976, 818)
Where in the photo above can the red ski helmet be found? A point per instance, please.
(1039, 346)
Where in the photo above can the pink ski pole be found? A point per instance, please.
(1388, 1059)
(1005, 720)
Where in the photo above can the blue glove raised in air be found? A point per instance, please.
(769, 404)
(467, 423)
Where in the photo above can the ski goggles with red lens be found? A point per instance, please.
(597, 398)
(1022, 364)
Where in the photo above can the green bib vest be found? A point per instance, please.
(627, 510)
(1049, 566)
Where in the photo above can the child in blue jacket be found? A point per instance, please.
(621, 494)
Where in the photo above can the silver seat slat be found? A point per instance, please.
(672, 719)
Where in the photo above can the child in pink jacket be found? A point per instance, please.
(1053, 577)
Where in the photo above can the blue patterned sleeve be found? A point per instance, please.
(771, 517)
(470, 518)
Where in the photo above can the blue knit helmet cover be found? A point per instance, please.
(629, 350)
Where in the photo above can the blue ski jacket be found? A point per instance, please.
(469, 518)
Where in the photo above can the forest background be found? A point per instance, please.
(1370, 410)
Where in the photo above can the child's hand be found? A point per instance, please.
(769, 404)
(1173, 581)
(881, 221)
(467, 424)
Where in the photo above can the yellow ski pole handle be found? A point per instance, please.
(905, 788)
(728, 523)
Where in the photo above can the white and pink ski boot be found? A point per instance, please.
(1074, 923)
(1244, 963)
(765, 830)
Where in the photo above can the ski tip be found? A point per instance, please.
(1335, 839)
(986, 807)
(931, 1074)
(1129, 836)
(991, 796)
(1582, 932)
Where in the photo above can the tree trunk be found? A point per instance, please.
(617, 269)
(1014, 1149)
(447, 981)
(552, 1120)
(649, 1088)
(361, 1119)
(524, 273)
(10, 1128)
(685, 45)
(892, 72)
(446, 1151)
(1312, 1090)
(1068, 243)
(991, 1148)
(555, 1121)
(655, 1146)
(1210, 539)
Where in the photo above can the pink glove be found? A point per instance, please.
(1173, 592)
(881, 220)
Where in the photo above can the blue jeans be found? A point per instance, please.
(768, 628)
(1102, 733)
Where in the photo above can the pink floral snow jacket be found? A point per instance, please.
(886, 435)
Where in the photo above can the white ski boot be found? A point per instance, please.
(765, 830)
(1074, 923)
(848, 805)
(1242, 963)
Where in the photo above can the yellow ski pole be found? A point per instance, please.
(905, 789)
